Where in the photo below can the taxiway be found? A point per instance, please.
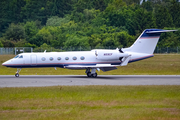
(70, 80)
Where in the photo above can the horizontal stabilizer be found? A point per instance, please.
(160, 31)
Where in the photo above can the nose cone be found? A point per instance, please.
(6, 63)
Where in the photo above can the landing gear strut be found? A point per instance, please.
(17, 73)
(91, 73)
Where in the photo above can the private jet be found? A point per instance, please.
(96, 59)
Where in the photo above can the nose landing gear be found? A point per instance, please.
(17, 73)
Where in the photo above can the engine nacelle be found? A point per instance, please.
(109, 54)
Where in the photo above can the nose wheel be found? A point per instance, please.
(17, 73)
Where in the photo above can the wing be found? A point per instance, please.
(103, 67)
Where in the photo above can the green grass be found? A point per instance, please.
(91, 103)
(166, 64)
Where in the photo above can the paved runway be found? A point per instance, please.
(54, 80)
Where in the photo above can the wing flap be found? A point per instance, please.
(103, 67)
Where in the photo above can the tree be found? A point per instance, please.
(8, 43)
(20, 43)
(163, 18)
(29, 45)
(61, 38)
(43, 47)
(130, 2)
(94, 40)
(170, 39)
(83, 4)
(1, 45)
(34, 10)
(143, 19)
(125, 39)
(57, 21)
(100, 4)
(147, 5)
(45, 35)
(10, 13)
(110, 42)
(15, 32)
(41, 10)
(37, 40)
(175, 12)
(31, 30)
(92, 22)
(74, 42)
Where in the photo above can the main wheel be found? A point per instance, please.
(89, 74)
(94, 75)
(17, 75)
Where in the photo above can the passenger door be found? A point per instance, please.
(33, 60)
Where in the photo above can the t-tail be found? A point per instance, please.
(147, 41)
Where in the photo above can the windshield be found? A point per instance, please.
(21, 56)
(16, 56)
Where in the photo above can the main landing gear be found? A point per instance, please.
(91, 73)
(17, 73)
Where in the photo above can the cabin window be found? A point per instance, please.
(16, 56)
(43, 58)
(74, 58)
(82, 57)
(51, 58)
(67, 58)
(59, 58)
(21, 56)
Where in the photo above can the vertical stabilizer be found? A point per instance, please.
(147, 41)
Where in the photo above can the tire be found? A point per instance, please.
(17, 75)
(94, 75)
(89, 74)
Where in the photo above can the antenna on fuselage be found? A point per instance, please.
(45, 51)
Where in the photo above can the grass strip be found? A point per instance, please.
(91, 102)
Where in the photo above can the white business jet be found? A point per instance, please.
(97, 59)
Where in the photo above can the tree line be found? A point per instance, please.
(95, 23)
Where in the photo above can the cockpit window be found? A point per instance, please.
(16, 56)
(21, 56)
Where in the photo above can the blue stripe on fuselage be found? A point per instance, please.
(134, 60)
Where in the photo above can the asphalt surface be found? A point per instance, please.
(70, 80)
